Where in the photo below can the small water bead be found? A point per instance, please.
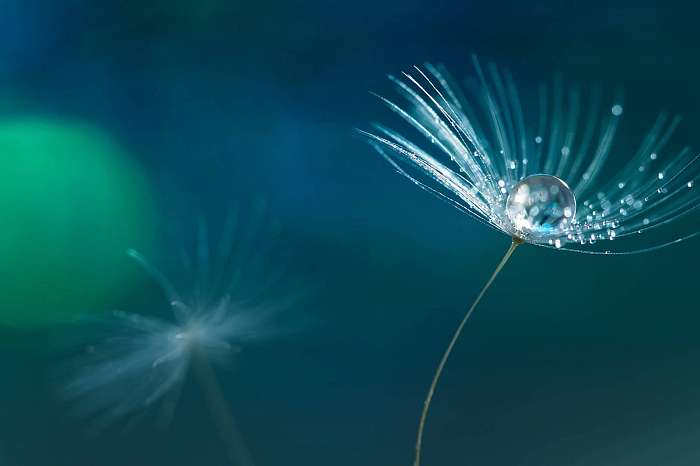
(616, 110)
(541, 206)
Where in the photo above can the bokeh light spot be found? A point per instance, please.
(71, 201)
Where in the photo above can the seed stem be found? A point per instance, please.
(236, 450)
(438, 372)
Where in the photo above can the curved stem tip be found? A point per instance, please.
(441, 366)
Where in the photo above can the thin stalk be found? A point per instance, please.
(236, 450)
(438, 372)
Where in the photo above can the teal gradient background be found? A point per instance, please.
(571, 360)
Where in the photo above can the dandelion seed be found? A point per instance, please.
(144, 360)
(537, 204)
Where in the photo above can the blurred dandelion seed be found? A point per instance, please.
(483, 158)
(146, 359)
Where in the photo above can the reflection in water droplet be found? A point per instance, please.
(541, 206)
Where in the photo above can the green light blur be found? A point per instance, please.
(71, 203)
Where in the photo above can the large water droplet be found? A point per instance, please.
(540, 206)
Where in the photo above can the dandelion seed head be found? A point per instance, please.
(227, 300)
(482, 132)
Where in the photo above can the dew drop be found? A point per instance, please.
(538, 139)
(690, 184)
(616, 109)
(540, 206)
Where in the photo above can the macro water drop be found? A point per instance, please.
(540, 206)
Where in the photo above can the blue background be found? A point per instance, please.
(570, 359)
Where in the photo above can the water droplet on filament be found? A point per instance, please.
(540, 206)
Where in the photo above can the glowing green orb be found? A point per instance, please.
(71, 203)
